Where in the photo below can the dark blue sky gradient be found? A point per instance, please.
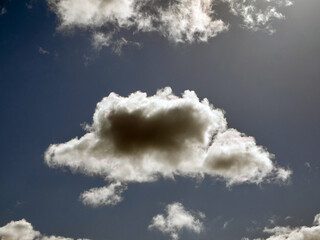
(268, 85)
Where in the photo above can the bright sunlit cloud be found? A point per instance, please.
(177, 219)
(180, 21)
(141, 138)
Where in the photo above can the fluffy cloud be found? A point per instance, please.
(176, 220)
(110, 195)
(177, 20)
(23, 230)
(100, 40)
(298, 233)
(141, 138)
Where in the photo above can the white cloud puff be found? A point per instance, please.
(110, 195)
(177, 20)
(297, 233)
(23, 230)
(141, 138)
(176, 220)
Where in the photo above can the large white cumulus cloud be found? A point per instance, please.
(176, 219)
(297, 233)
(177, 20)
(23, 230)
(141, 138)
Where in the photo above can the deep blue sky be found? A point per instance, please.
(267, 84)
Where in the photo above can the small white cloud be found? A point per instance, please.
(141, 138)
(23, 230)
(226, 224)
(100, 40)
(43, 51)
(297, 233)
(110, 195)
(175, 220)
(288, 218)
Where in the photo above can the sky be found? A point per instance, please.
(142, 119)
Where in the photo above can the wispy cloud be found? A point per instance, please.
(226, 224)
(43, 51)
(100, 40)
(180, 21)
